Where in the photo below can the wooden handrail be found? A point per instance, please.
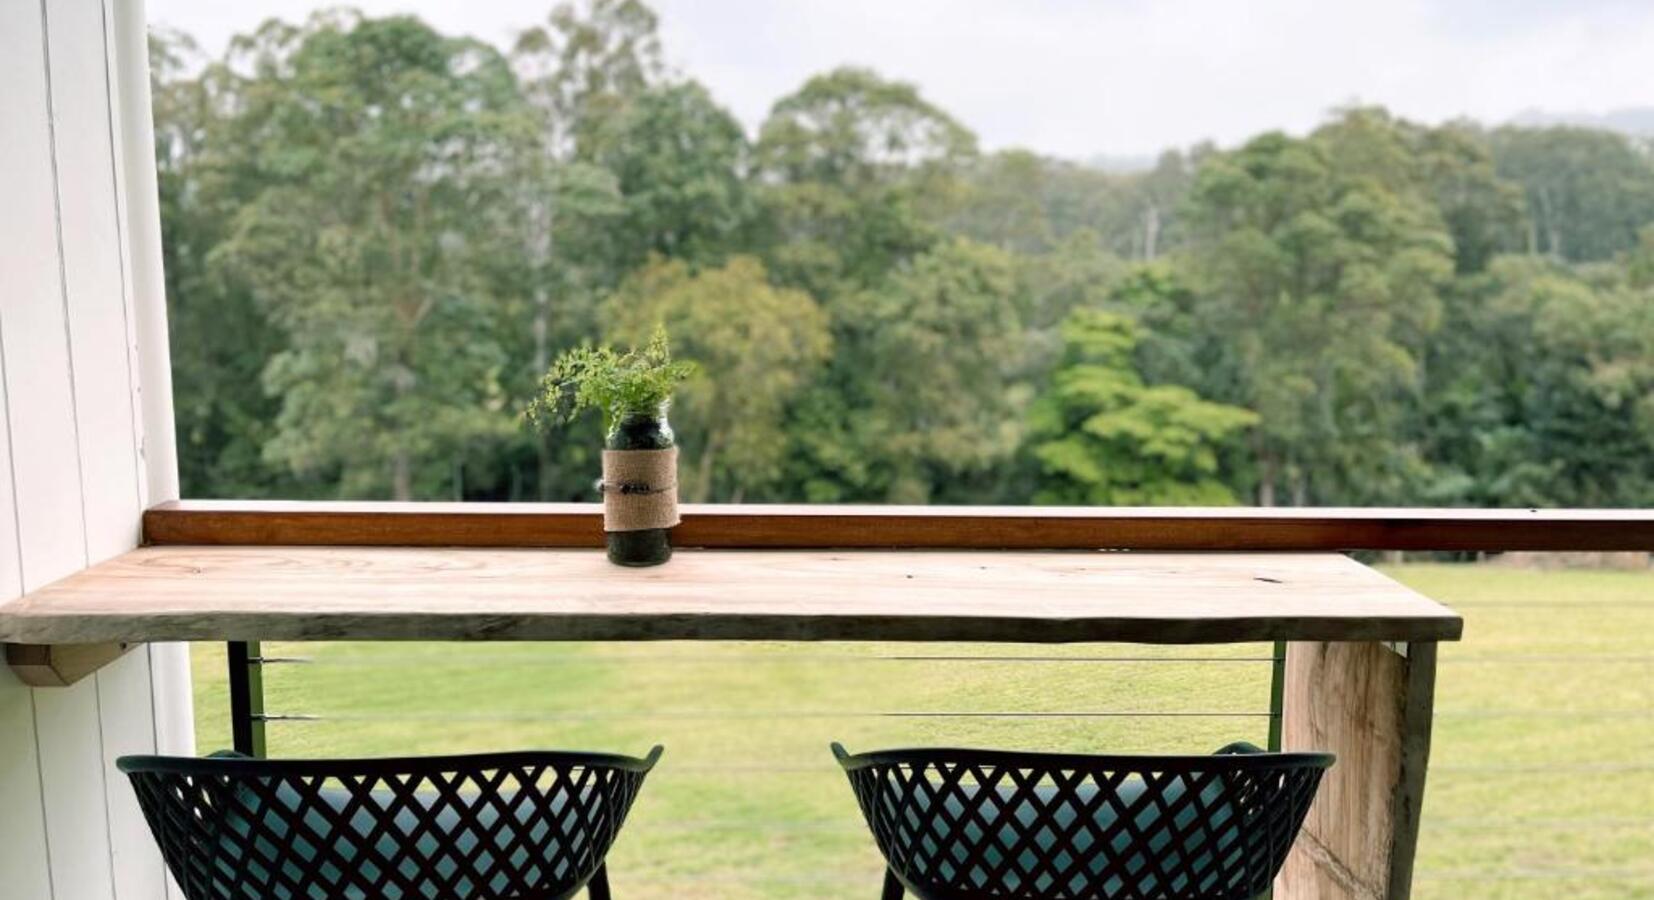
(913, 527)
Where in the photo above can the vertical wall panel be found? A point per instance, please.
(23, 851)
(72, 775)
(11, 575)
(128, 722)
(33, 331)
(93, 278)
(98, 316)
(51, 510)
(72, 469)
(23, 824)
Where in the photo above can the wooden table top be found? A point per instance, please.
(386, 593)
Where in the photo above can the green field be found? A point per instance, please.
(747, 802)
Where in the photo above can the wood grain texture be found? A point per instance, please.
(293, 593)
(897, 527)
(60, 665)
(1372, 707)
(1407, 803)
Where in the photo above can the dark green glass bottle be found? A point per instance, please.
(640, 431)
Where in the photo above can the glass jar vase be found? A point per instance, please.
(640, 431)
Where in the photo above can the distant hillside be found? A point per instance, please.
(1121, 164)
(1637, 121)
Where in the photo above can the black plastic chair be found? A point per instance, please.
(520, 825)
(968, 824)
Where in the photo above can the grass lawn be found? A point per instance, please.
(747, 801)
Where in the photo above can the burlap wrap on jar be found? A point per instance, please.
(640, 489)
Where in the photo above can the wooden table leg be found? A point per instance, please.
(1370, 703)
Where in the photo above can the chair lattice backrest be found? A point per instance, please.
(966, 824)
(519, 825)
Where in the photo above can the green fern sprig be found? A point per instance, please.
(637, 382)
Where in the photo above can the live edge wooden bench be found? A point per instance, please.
(1360, 670)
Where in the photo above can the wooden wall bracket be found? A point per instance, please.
(60, 665)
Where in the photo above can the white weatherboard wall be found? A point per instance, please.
(85, 434)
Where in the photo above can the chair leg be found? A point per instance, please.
(892, 887)
(598, 887)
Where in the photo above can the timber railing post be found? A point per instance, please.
(1370, 703)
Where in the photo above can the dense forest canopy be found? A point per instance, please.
(378, 235)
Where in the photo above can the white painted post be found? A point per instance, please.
(139, 196)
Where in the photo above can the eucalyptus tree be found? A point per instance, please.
(1555, 398)
(680, 164)
(1322, 260)
(1077, 272)
(578, 69)
(1157, 197)
(1588, 192)
(755, 347)
(1485, 214)
(926, 402)
(584, 63)
(1027, 203)
(856, 169)
(382, 153)
(1003, 202)
(220, 338)
(857, 174)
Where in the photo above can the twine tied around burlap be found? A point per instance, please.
(640, 489)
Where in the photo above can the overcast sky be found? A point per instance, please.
(1080, 78)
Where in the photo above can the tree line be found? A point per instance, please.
(377, 236)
